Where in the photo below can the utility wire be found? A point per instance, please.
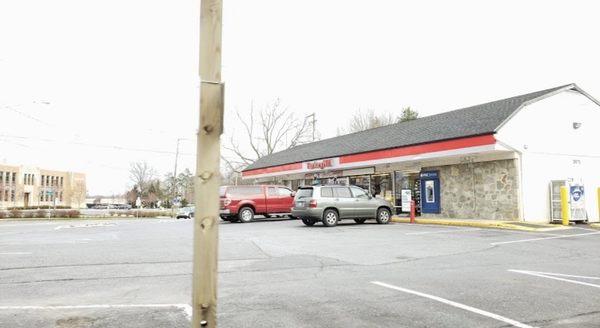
(11, 108)
(120, 148)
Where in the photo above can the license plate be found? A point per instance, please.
(300, 204)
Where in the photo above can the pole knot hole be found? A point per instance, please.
(204, 176)
(208, 128)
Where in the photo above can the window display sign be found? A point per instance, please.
(429, 191)
(406, 198)
(577, 196)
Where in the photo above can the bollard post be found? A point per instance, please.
(564, 205)
(412, 211)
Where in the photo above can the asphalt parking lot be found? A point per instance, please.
(279, 273)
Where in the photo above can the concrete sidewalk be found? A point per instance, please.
(512, 225)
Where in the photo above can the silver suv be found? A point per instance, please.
(332, 203)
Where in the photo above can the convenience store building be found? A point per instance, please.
(500, 160)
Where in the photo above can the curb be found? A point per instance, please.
(595, 225)
(509, 225)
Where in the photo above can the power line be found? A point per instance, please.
(111, 147)
(27, 115)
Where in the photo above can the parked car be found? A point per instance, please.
(332, 203)
(242, 203)
(186, 212)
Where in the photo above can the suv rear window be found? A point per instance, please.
(304, 193)
(243, 190)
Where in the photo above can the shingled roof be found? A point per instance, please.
(466, 122)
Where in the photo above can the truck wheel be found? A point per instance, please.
(330, 218)
(383, 216)
(246, 214)
(308, 222)
(360, 221)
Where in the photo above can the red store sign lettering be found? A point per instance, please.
(319, 164)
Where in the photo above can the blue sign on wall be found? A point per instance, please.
(430, 192)
(577, 192)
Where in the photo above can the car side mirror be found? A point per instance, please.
(293, 194)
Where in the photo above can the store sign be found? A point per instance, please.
(319, 165)
(429, 175)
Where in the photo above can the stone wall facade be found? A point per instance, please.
(481, 190)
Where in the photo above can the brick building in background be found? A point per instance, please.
(23, 186)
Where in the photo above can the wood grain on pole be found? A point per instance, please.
(207, 179)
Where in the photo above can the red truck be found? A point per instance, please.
(242, 203)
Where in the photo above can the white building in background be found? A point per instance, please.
(23, 186)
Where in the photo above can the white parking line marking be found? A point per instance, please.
(455, 304)
(561, 275)
(16, 253)
(552, 276)
(186, 308)
(545, 238)
(88, 225)
(441, 231)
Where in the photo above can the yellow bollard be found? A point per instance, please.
(564, 205)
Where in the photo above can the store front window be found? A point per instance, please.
(360, 181)
(381, 186)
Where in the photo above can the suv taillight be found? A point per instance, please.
(313, 203)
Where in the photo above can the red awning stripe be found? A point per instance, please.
(453, 144)
(273, 169)
(420, 149)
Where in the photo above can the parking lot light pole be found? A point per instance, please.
(208, 177)
(174, 186)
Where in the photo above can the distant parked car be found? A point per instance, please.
(122, 206)
(242, 203)
(186, 212)
(332, 203)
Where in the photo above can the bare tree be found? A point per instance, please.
(272, 129)
(361, 121)
(141, 174)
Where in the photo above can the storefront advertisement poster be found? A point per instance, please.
(406, 199)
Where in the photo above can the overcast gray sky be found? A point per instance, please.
(81, 77)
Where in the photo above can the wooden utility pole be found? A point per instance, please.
(208, 178)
